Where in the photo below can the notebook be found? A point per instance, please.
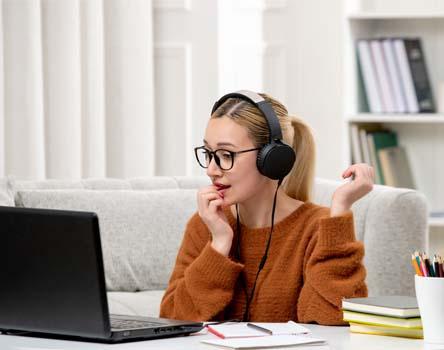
(256, 329)
(265, 342)
(394, 305)
(378, 320)
(389, 331)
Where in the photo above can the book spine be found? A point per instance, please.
(394, 76)
(373, 158)
(356, 147)
(369, 77)
(406, 76)
(419, 74)
(382, 76)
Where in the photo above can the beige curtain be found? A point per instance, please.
(76, 88)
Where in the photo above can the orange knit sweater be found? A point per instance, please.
(314, 261)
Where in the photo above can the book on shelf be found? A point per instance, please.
(392, 306)
(418, 69)
(382, 76)
(378, 320)
(366, 141)
(368, 73)
(374, 159)
(394, 75)
(379, 140)
(358, 135)
(395, 167)
(357, 156)
(388, 331)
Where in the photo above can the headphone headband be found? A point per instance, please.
(258, 101)
(275, 159)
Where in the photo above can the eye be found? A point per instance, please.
(225, 155)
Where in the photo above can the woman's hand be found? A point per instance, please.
(347, 194)
(210, 203)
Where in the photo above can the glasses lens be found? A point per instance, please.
(225, 159)
(203, 157)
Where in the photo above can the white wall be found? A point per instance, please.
(293, 51)
(308, 37)
(185, 61)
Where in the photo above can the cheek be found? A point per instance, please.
(245, 182)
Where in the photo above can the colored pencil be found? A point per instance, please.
(416, 266)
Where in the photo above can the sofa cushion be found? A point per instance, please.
(140, 230)
(146, 303)
(6, 192)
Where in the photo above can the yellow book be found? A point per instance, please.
(378, 320)
(388, 331)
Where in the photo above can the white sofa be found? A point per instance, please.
(142, 222)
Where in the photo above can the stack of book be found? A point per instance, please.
(378, 147)
(394, 75)
(396, 316)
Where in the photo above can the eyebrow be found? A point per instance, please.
(220, 143)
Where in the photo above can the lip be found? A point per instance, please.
(220, 186)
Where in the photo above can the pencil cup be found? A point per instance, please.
(430, 297)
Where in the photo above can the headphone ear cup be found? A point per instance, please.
(275, 160)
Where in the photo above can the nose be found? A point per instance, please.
(213, 169)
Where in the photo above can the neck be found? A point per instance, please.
(256, 211)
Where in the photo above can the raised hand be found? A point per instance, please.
(210, 203)
(363, 177)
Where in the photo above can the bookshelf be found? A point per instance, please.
(421, 134)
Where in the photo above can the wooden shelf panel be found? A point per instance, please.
(391, 15)
(436, 222)
(429, 118)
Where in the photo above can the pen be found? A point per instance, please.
(259, 328)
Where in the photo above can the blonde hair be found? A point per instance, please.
(298, 183)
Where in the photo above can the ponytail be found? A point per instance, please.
(299, 182)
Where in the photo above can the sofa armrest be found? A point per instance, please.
(395, 225)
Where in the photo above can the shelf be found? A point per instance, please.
(436, 222)
(391, 15)
(423, 118)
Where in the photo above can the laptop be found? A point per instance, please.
(53, 280)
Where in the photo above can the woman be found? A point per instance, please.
(256, 250)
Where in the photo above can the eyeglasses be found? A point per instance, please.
(224, 158)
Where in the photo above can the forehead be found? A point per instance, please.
(225, 130)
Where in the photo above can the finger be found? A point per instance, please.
(209, 189)
(360, 172)
(205, 199)
(214, 205)
(349, 171)
(372, 174)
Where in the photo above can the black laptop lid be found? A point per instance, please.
(53, 279)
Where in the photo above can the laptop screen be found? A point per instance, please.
(54, 277)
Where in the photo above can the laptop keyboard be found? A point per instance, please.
(117, 323)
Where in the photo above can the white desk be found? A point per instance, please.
(338, 338)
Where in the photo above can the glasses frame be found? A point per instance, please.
(212, 155)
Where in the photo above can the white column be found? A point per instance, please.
(23, 89)
(92, 88)
(2, 105)
(61, 66)
(129, 88)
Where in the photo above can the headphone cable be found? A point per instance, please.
(246, 316)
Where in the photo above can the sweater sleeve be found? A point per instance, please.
(202, 283)
(333, 270)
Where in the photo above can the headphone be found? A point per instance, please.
(275, 159)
